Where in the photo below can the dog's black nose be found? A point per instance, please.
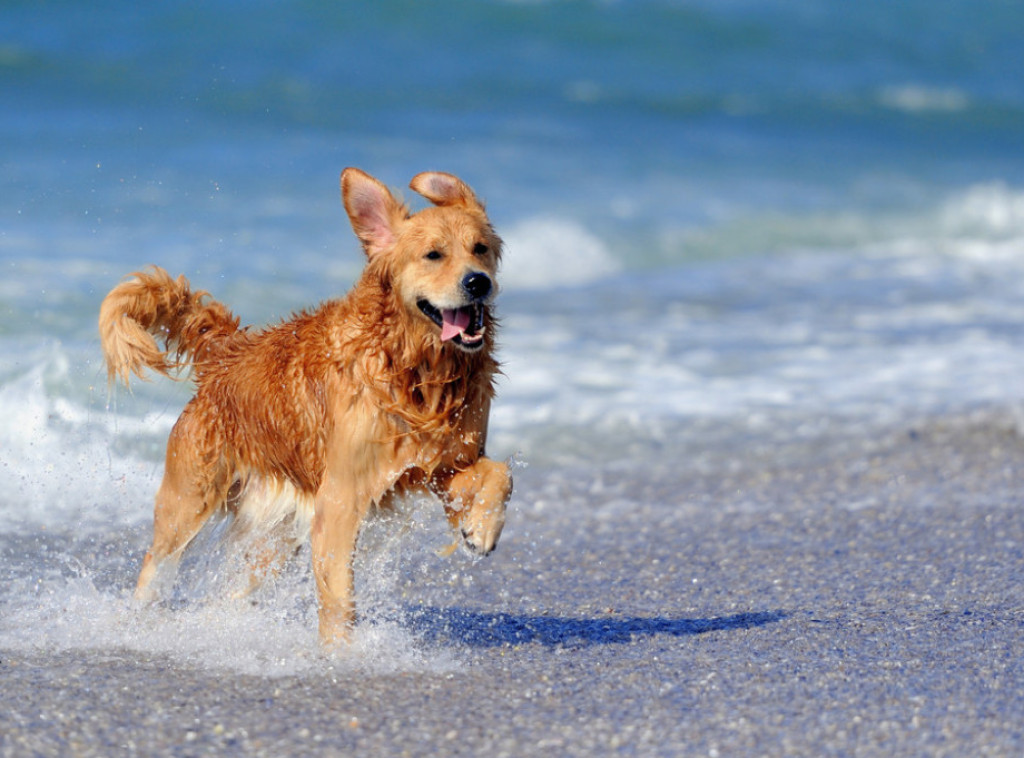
(477, 285)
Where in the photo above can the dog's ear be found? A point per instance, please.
(374, 212)
(445, 189)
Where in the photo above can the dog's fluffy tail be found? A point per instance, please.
(150, 305)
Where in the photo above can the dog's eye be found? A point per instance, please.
(434, 255)
(480, 249)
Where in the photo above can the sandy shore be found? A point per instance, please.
(859, 597)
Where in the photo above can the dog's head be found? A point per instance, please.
(441, 262)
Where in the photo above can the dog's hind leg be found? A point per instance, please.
(189, 494)
(272, 521)
(265, 556)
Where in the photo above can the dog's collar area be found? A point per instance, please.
(463, 326)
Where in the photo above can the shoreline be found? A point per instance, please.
(870, 602)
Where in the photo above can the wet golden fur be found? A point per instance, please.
(308, 425)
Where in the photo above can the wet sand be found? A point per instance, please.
(859, 596)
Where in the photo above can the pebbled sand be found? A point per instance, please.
(851, 596)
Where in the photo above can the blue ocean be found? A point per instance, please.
(730, 226)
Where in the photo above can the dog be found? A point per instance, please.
(303, 429)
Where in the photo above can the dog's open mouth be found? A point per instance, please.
(463, 326)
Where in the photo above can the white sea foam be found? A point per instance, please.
(913, 98)
(56, 464)
(992, 212)
(884, 318)
(271, 633)
(546, 253)
(268, 639)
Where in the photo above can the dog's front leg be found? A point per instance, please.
(335, 530)
(475, 500)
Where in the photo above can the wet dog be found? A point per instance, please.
(303, 428)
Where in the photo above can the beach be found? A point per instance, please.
(863, 602)
(759, 325)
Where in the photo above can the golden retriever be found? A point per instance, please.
(301, 429)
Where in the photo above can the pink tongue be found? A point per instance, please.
(454, 323)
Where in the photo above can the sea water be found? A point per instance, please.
(725, 222)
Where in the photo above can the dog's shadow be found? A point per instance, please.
(482, 629)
